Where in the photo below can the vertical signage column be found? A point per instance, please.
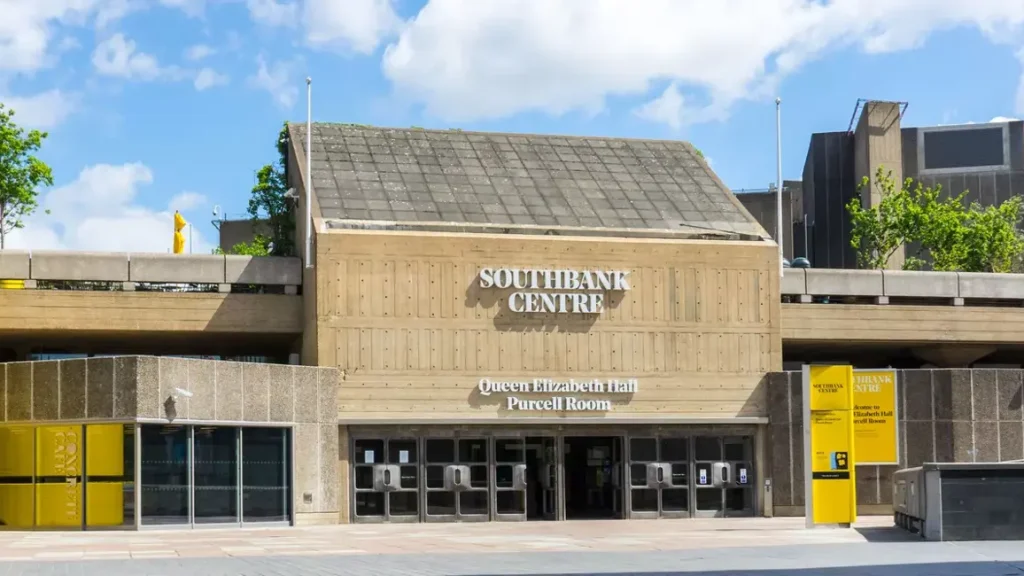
(829, 482)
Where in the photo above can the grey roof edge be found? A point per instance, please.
(298, 148)
(537, 230)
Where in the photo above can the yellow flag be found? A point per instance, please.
(179, 238)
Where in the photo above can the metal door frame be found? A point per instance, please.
(660, 512)
(458, 516)
(750, 487)
(386, 516)
(494, 489)
(623, 490)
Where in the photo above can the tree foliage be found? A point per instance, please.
(269, 207)
(258, 247)
(21, 173)
(938, 231)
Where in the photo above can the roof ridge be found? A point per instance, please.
(302, 125)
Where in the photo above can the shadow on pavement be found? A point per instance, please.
(991, 568)
(888, 534)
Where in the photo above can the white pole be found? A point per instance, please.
(189, 238)
(778, 183)
(309, 172)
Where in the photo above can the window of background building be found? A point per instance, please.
(967, 148)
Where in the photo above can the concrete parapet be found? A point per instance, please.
(916, 284)
(82, 266)
(991, 286)
(14, 265)
(265, 270)
(794, 281)
(823, 282)
(204, 269)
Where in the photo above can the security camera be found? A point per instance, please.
(183, 392)
(216, 211)
(291, 194)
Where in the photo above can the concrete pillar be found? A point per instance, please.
(878, 143)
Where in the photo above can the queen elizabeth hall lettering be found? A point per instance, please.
(558, 403)
(556, 291)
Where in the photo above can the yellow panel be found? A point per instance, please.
(16, 505)
(831, 387)
(104, 504)
(59, 504)
(874, 417)
(58, 451)
(16, 451)
(105, 450)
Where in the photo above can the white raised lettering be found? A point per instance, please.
(512, 302)
(486, 278)
(621, 283)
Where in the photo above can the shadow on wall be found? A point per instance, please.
(508, 321)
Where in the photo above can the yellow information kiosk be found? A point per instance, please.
(830, 485)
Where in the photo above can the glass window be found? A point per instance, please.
(165, 474)
(266, 475)
(216, 474)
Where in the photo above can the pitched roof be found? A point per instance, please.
(448, 176)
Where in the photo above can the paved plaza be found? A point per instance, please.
(766, 547)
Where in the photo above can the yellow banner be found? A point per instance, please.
(832, 478)
(874, 417)
(59, 457)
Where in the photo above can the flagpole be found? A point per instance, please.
(778, 185)
(309, 171)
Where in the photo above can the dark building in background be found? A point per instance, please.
(762, 204)
(985, 160)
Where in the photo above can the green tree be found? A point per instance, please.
(953, 236)
(258, 247)
(21, 173)
(268, 204)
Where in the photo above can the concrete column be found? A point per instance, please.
(878, 143)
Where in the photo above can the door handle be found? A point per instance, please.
(725, 475)
(387, 478)
(458, 477)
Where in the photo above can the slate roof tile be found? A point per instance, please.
(391, 174)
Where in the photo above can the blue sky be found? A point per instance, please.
(157, 105)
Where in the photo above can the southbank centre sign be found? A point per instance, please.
(543, 291)
(564, 395)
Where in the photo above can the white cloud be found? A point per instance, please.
(467, 59)
(198, 52)
(358, 25)
(1001, 119)
(273, 13)
(27, 28)
(99, 211)
(186, 201)
(208, 78)
(117, 56)
(278, 80)
(666, 109)
(43, 110)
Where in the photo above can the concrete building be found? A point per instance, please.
(494, 327)
(985, 160)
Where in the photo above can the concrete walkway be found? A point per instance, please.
(582, 536)
(751, 547)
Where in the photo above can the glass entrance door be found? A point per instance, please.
(542, 478)
(510, 479)
(386, 479)
(724, 476)
(659, 477)
(458, 479)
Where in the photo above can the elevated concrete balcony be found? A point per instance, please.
(123, 295)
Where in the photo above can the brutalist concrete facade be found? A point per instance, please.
(146, 389)
(969, 415)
